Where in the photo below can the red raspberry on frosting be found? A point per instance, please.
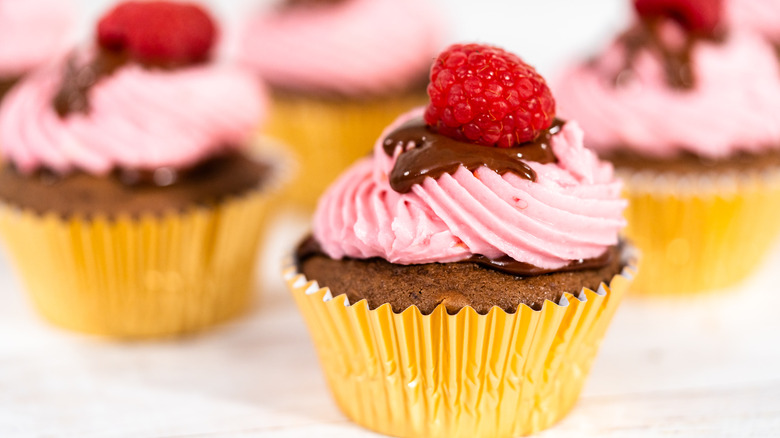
(485, 95)
(158, 32)
(697, 16)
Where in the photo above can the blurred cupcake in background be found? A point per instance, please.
(339, 71)
(32, 32)
(459, 280)
(129, 202)
(688, 109)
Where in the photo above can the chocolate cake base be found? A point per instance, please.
(88, 195)
(691, 164)
(416, 87)
(455, 285)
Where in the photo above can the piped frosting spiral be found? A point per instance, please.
(138, 118)
(353, 47)
(733, 105)
(32, 32)
(570, 212)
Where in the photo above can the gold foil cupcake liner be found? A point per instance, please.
(698, 234)
(157, 275)
(328, 135)
(464, 375)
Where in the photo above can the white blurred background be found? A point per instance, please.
(546, 33)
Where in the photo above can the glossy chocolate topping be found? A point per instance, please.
(508, 265)
(78, 79)
(5, 85)
(687, 163)
(308, 3)
(230, 174)
(434, 154)
(309, 247)
(676, 61)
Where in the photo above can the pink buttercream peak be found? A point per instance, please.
(734, 104)
(572, 211)
(355, 47)
(760, 16)
(32, 32)
(138, 118)
(579, 161)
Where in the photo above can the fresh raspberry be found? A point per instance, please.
(158, 32)
(485, 95)
(697, 16)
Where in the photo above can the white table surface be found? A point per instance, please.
(707, 367)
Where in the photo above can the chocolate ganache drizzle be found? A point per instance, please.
(79, 78)
(292, 4)
(677, 61)
(434, 154)
(73, 97)
(429, 154)
(309, 248)
(6, 84)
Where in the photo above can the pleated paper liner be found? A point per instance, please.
(328, 135)
(141, 277)
(465, 375)
(698, 234)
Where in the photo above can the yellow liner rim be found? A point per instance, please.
(298, 280)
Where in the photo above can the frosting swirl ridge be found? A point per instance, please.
(756, 15)
(353, 47)
(138, 119)
(32, 31)
(733, 106)
(572, 211)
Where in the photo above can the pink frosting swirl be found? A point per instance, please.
(138, 119)
(31, 32)
(734, 106)
(572, 211)
(762, 16)
(353, 48)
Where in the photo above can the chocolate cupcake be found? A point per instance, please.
(687, 107)
(473, 253)
(129, 201)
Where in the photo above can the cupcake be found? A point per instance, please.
(458, 281)
(339, 72)
(129, 202)
(688, 110)
(31, 33)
